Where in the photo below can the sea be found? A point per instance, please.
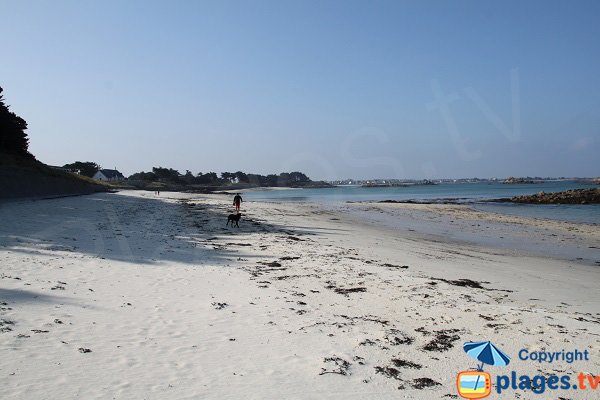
(475, 195)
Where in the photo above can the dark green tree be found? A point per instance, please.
(13, 138)
(189, 178)
(241, 177)
(209, 178)
(257, 180)
(228, 176)
(284, 179)
(143, 176)
(271, 180)
(167, 174)
(298, 177)
(87, 168)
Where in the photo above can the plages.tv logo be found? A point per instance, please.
(478, 384)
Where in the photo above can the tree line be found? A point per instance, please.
(174, 177)
(169, 175)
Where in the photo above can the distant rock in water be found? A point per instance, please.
(573, 196)
(511, 180)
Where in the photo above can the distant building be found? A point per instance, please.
(109, 175)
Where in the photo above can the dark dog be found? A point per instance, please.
(234, 218)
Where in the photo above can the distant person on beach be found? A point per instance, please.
(237, 201)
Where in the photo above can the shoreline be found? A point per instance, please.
(462, 225)
(476, 195)
(171, 303)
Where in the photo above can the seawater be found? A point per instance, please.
(468, 193)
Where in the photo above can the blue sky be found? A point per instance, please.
(362, 89)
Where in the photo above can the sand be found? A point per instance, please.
(134, 296)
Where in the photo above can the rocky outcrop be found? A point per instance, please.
(511, 180)
(574, 196)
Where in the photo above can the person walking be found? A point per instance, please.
(237, 201)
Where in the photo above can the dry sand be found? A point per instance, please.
(133, 296)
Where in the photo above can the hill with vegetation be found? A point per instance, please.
(27, 177)
(21, 175)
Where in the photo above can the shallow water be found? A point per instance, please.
(469, 193)
(586, 213)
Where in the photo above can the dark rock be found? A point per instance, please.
(516, 181)
(573, 196)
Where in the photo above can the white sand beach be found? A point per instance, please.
(137, 296)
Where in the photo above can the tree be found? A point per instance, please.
(13, 138)
(271, 180)
(143, 176)
(257, 180)
(189, 178)
(207, 179)
(167, 174)
(298, 177)
(87, 168)
(228, 176)
(284, 179)
(241, 177)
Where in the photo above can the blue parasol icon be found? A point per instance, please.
(487, 353)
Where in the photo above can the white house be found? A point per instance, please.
(110, 175)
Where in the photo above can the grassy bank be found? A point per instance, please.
(22, 177)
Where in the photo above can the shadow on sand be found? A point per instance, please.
(135, 229)
(26, 296)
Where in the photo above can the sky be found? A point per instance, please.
(335, 89)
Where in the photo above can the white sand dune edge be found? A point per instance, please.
(131, 296)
